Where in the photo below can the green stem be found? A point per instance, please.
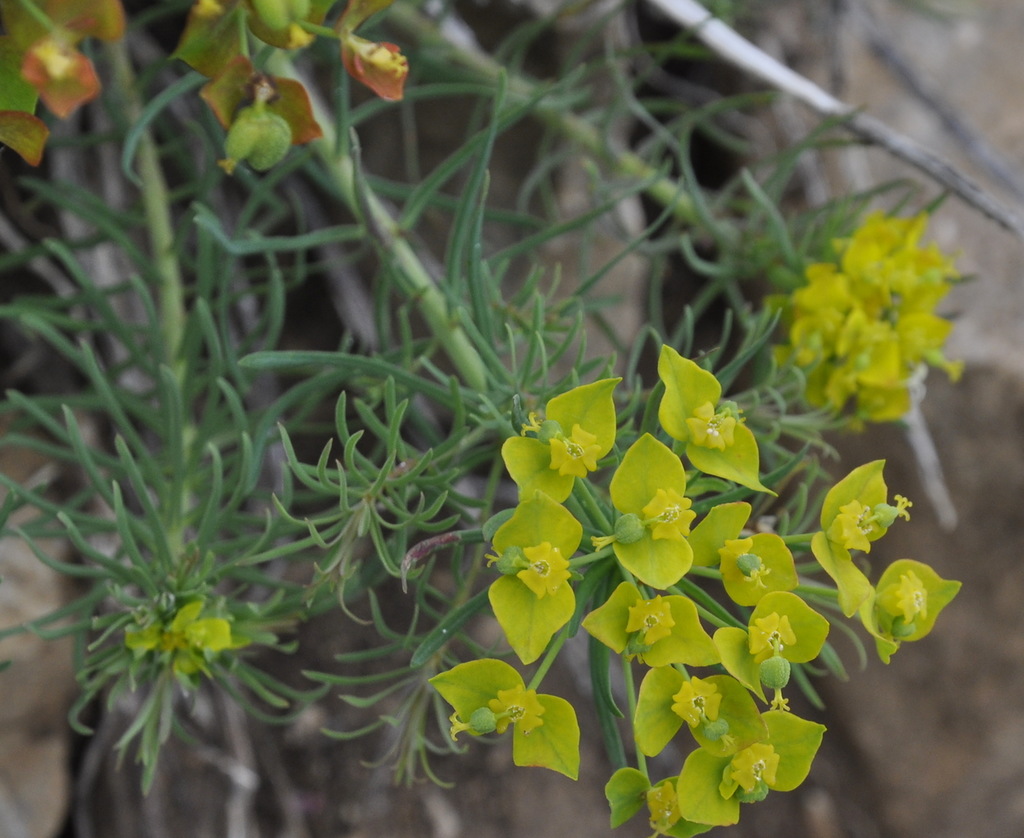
(549, 658)
(317, 29)
(711, 610)
(798, 539)
(37, 14)
(820, 591)
(156, 205)
(583, 492)
(630, 687)
(418, 285)
(590, 558)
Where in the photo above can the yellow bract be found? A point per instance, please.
(189, 638)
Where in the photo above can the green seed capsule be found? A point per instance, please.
(748, 563)
(549, 429)
(629, 529)
(275, 14)
(511, 561)
(901, 628)
(259, 137)
(713, 731)
(758, 793)
(482, 721)
(774, 672)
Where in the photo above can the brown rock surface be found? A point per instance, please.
(36, 687)
(940, 730)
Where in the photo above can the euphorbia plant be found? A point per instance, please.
(632, 590)
(660, 512)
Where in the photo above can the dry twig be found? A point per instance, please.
(736, 49)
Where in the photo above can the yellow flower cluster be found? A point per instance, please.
(865, 326)
(188, 642)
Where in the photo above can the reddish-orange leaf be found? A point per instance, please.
(229, 89)
(293, 105)
(24, 133)
(63, 76)
(380, 66)
(212, 37)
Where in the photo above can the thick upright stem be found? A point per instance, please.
(156, 206)
(418, 284)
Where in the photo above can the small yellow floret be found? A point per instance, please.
(548, 569)
(663, 803)
(575, 455)
(697, 701)
(518, 706)
(756, 762)
(709, 429)
(57, 57)
(912, 597)
(668, 515)
(652, 618)
(770, 635)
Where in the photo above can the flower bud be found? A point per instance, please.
(629, 529)
(258, 136)
(774, 672)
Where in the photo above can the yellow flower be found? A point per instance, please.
(857, 525)
(769, 635)
(668, 515)
(652, 618)
(576, 454)
(518, 706)
(910, 597)
(663, 803)
(190, 640)
(547, 571)
(710, 429)
(862, 326)
(696, 702)
(754, 764)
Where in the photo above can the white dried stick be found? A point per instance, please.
(733, 47)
